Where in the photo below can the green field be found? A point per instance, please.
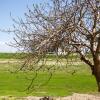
(62, 83)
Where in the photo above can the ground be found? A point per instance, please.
(75, 96)
(64, 81)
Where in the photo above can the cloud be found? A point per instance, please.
(6, 48)
(2, 43)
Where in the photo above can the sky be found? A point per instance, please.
(17, 8)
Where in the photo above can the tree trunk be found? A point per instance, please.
(97, 76)
(97, 64)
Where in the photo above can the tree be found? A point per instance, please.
(73, 25)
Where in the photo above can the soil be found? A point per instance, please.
(75, 96)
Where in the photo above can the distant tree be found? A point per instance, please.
(73, 25)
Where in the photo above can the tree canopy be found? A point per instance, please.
(72, 25)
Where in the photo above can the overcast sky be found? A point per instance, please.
(17, 9)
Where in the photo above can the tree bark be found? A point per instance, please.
(97, 75)
(97, 64)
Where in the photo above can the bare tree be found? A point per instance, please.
(73, 25)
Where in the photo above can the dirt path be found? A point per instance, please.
(75, 96)
(8, 60)
(47, 63)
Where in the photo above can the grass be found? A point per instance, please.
(11, 55)
(62, 83)
(50, 56)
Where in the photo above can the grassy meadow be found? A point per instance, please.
(63, 82)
